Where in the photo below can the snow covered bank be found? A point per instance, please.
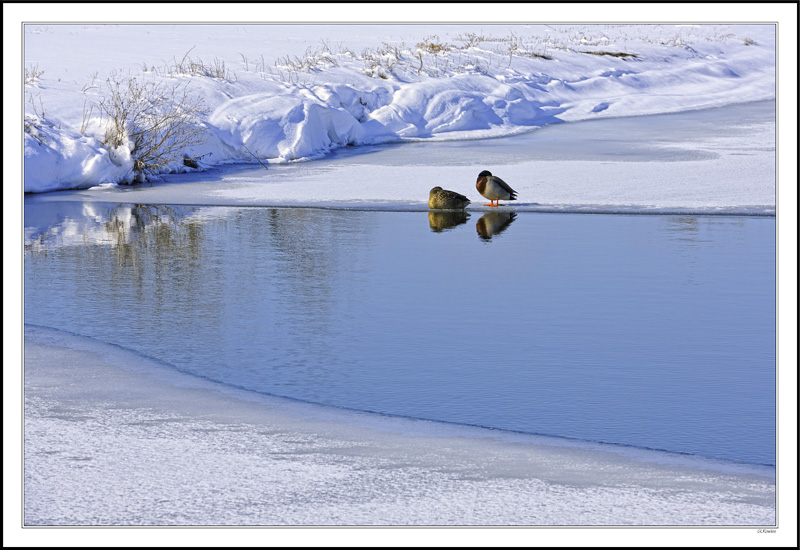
(112, 438)
(281, 93)
(714, 161)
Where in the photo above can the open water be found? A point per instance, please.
(653, 331)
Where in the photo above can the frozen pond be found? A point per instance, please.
(325, 282)
(625, 305)
(647, 331)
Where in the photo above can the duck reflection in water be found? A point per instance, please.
(441, 221)
(494, 223)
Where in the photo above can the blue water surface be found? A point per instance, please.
(653, 331)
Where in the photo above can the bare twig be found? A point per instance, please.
(254, 156)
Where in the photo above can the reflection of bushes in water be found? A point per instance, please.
(695, 229)
(684, 228)
(141, 227)
(36, 247)
(308, 240)
(153, 229)
(313, 248)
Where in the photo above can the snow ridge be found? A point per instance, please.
(465, 85)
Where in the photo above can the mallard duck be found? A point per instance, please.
(448, 200)
(494, 189)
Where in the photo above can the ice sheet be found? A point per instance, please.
(114, 438)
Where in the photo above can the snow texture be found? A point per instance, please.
(114, 438)
(283, 93)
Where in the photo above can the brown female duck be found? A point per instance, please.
(442, 199)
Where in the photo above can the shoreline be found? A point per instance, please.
(684, 174)
(752, 211)
(157, 447)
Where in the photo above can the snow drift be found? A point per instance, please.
(465, 84)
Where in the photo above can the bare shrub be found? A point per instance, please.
(33, 127)
(299, 70)
(470, 40)
(38, 111)
(382, 61)
(32, 75)
(155, 120)
(196, 67)
(432, 45)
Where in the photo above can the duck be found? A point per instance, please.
(494, 189)
(442, 199)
